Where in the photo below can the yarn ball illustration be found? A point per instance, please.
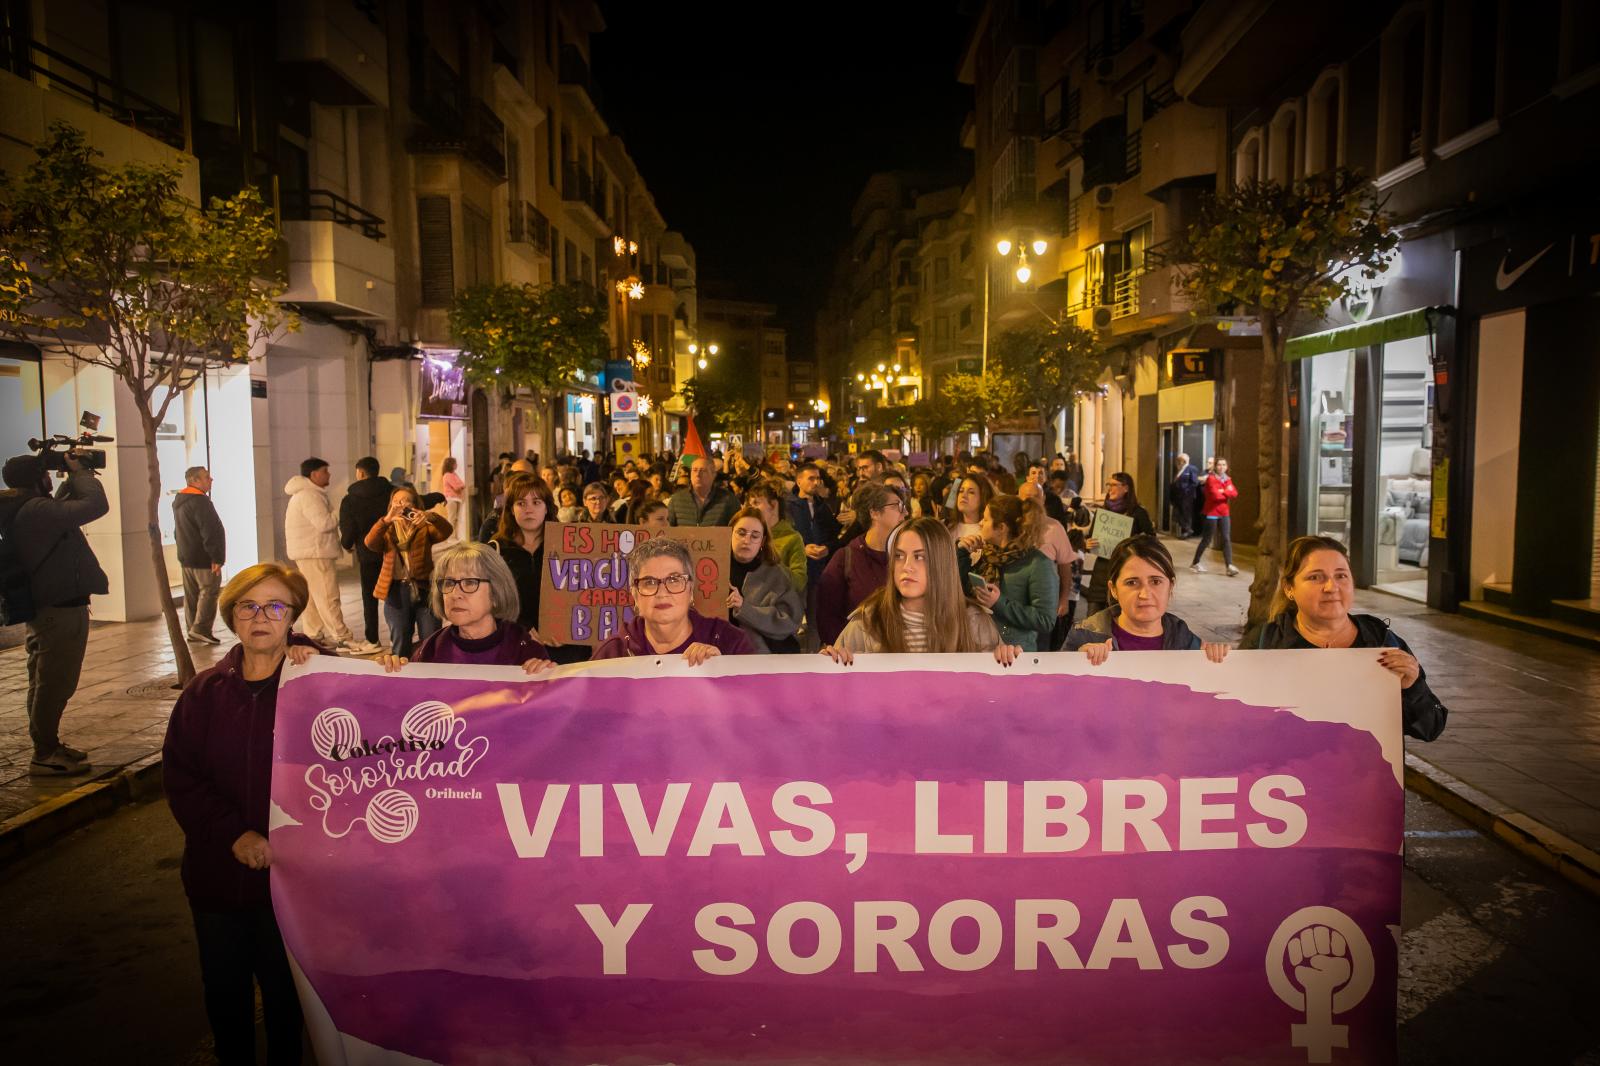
(429, 721)
(334, 727)
(391, 816)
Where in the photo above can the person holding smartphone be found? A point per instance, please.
(1010, 575)
(406, 535)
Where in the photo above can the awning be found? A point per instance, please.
(1363, 334)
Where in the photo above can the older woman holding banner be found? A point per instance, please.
(1141, 578)
(1311, 609)
(476, 596)
(922, 607)
(661, 578)
(217, 769)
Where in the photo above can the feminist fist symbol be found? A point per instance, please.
(1333, 970)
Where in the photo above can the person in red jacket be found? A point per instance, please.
(217, 770)
(1216, 489)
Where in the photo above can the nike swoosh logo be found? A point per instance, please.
(1504, 280)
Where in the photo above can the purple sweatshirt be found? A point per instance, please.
(508, 645)
(726, 638)
(217, 769)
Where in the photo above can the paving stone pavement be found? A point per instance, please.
(119, 713)
(1524, 715)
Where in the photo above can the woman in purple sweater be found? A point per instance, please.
(217, 769)
(475, 595)
(660, 576)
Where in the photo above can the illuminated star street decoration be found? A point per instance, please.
(636, 291)
(618, 245)
(641, 354)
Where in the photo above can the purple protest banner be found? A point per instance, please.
(915, 859)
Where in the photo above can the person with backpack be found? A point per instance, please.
(48, 572)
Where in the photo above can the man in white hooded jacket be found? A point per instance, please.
(311, 538)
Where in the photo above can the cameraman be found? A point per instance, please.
(63, 574)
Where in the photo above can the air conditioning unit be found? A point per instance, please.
(1102, 317)
(1104, 195)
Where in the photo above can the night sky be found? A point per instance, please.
(755, 126)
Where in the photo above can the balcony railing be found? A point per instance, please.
(577, 186)
(324, 205)
(1132, 154)
(51, 69)
(1069, 219)
(453, 121)
(1125, 292)
(529, 226)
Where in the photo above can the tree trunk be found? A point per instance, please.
(158, 557)
(1269, 455)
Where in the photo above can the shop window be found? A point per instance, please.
(1331, 426)
(21, 398)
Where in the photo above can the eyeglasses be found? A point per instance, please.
(245, 610)
(649, 586)
(468, 585)
(747, 534)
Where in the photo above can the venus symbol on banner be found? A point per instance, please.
(1333, 969)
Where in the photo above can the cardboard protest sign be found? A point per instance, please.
(583, 590)
(1110, 529)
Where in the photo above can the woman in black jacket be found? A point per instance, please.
(1311, 609)
(1120, 499)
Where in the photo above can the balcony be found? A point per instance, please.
(451, 122)
(1180, 147)
(584, 198)
(336, 51)
(337, 270)
(1127, 288)
(576, 85)
(528, 226)
(324, 205)
(49, 69)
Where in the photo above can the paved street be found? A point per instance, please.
(1496, 959)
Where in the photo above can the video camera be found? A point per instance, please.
(91, 458)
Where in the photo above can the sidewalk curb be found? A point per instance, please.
(31, 830)
(1534, 839)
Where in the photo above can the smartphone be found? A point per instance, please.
(976, 581)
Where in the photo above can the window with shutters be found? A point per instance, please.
(435, 251)
(476, 236)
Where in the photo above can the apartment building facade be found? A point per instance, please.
(410, 149)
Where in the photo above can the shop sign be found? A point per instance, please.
(1531, 266)
(1185, 366)
(444, 390)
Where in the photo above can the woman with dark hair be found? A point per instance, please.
(629, 508)
(568, 508)
(217, 771)
(406, 536)
(922, 503)
(1120, 499)
(762, 598)
(922, 607)
(964, 520)
(661, 576)
(519, 538)
(1011, 576)
(1141, 577)
(1311, 609)
(862, 565)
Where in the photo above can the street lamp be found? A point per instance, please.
(1023, 273)
(700, 356)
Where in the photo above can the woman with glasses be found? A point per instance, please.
(596, 502)
(762, 599)
(862, 566)
(660, 576)
(923, 607)
(476, 597)
(217, 770)
(406, 536)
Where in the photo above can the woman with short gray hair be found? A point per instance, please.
(475, 596)
(661, 578)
